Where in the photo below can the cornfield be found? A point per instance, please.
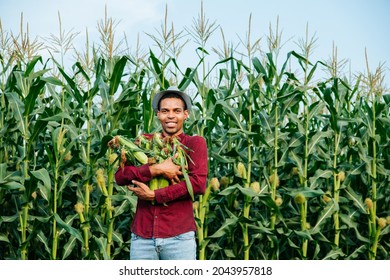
(299, 153)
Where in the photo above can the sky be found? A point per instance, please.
(355, 27)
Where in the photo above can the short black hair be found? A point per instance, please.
(171, 95)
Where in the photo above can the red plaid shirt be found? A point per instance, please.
(172, 214)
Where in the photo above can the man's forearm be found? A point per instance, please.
(155, 170)
(125, 175)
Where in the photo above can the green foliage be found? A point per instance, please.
(326, 142)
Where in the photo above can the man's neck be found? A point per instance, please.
(164, 134)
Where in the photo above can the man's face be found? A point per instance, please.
(172, 116)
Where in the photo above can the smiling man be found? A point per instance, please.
(165, 229)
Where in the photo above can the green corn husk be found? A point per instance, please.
(144, 143)
(153, 184)
(151, 151)
(181, 160)
(157, 140)
(140, 156)
(129, 151)
(162, 182)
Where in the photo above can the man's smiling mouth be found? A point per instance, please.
(170, 124)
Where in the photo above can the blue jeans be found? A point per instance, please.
(180, 247)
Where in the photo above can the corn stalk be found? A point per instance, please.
(292, 136)
(24, 92)
(374, 84)
(201, 31)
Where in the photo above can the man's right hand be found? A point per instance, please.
(167, 169)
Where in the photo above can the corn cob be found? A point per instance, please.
(158, 149)
(157, 183)
(137, 152)
(129, 150)
(153, 184)
(144, 143)
(157, 141)
(171, 147)
(162, 182)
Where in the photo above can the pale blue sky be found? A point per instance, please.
(352, 25)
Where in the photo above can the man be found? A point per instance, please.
(165, 229)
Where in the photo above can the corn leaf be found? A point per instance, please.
(226, 227)
(325, 214)
(72, 231)
(320, 135)
(102, 243)
(117, 237)
(45, 189)
(43, 239)
(4, 238)
(334, 254)
(17, 109)
(68, 247)
(356, 199)
(117, 74)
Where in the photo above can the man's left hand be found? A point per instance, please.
(142, 191)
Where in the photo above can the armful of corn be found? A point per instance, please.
(151, 151)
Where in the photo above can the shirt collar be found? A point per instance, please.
(181, 136)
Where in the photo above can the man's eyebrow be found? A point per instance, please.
(164, 108)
